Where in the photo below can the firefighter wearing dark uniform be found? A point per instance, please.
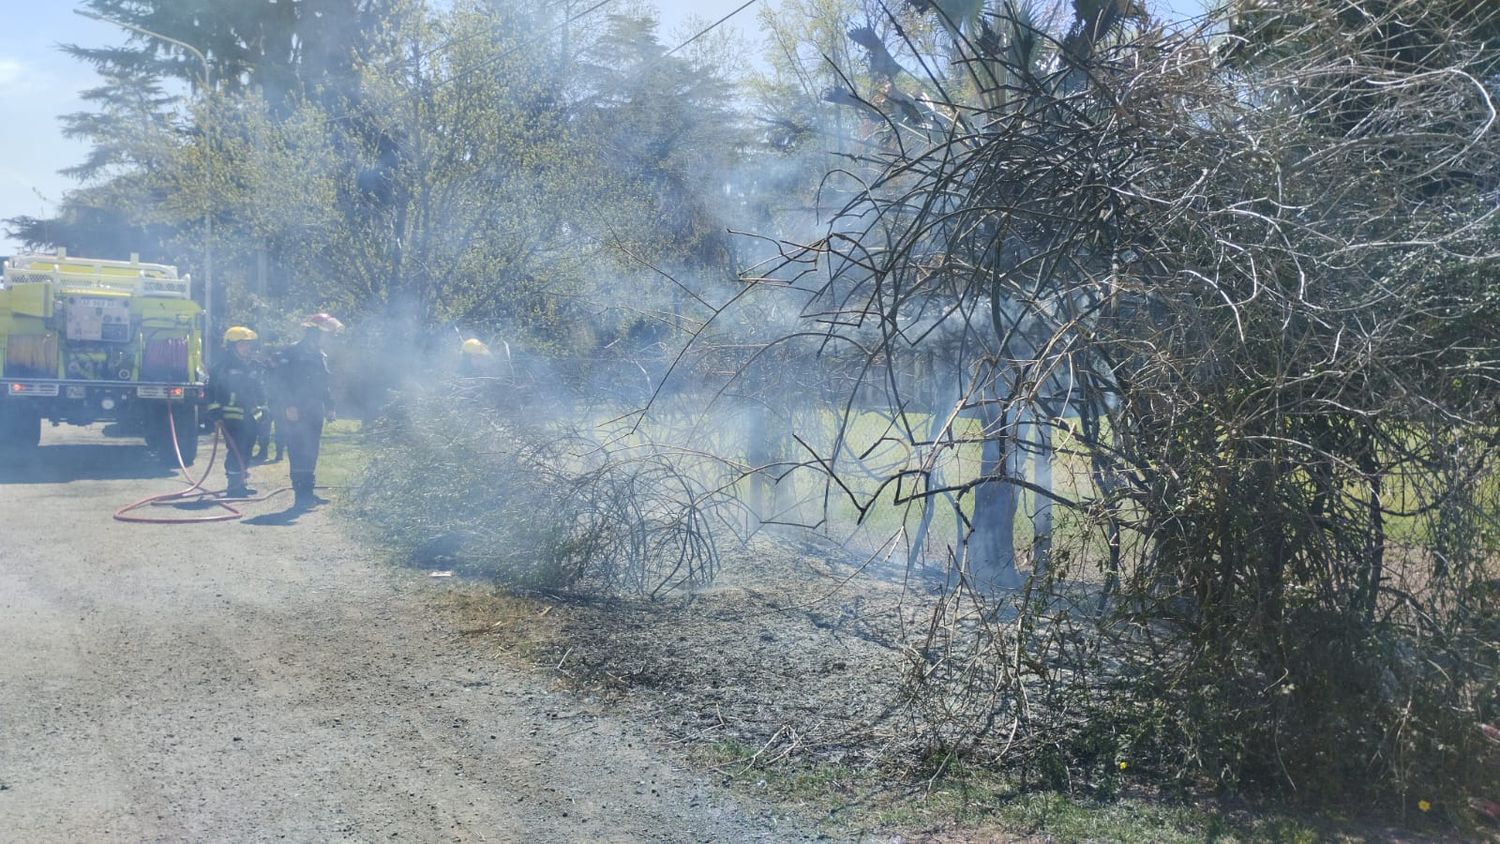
(236, 400)
(306, 400)
(269, 432)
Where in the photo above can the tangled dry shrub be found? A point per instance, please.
(464, 480)
(1246, 273)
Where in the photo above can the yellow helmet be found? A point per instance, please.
(240, 334)
(473, 346)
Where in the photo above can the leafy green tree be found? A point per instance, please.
(662, 138)
(277, 47)
(450, 210)
(154, 169)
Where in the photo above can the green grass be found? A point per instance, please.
(1131, 820)
(873, 448)
(872, 442)
(844, 801)
(343, 456)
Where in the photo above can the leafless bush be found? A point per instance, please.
(1239, 284)
(463, 480)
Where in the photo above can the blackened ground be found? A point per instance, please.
(271, 680)
(797, 652)
(789, 677)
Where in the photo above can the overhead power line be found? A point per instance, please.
(715, 25)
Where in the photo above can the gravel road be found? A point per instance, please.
(272, 681)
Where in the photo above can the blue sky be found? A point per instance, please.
(38, 83)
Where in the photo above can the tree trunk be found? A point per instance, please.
(990, 554)
(1037, 437)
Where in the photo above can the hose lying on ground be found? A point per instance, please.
(194, 492)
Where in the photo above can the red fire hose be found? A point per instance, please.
(194, 492)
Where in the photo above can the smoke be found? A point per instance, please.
(625, 224)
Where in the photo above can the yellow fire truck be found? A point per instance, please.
(84, 340)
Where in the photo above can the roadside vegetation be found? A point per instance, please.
(1060, 413)
(344, 456)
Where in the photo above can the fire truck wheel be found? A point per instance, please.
(154, 431)
(20, 428)
(187, 433)
(159, 433)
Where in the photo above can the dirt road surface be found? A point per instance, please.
(272, 681)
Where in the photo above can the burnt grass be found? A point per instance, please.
(787, 677)
(793, 654)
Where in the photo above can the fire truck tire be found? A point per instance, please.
(154, 432)
(29, 431)
(159, 433)
(187, 433)
(20, 428)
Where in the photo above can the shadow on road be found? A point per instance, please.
(62, 463)
(284, 518)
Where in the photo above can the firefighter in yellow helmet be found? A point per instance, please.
(474, 357)
(305, 395)
(236, 395)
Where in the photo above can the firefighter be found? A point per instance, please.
(474, 357)
(269, 432)
(306, 399)
(236, 400)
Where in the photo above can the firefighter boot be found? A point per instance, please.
(303, 486)
(237, 486)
